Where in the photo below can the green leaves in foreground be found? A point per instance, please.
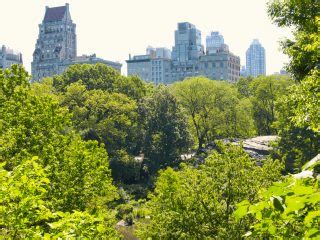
(27, 213)
(287, 209)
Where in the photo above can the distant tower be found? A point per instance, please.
(213, 42)
(188, 46)
(9, 57)
(56, 43)
(255, 59)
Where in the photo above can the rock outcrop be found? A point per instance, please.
(310, 169)
(258, 147)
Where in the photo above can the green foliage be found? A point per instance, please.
(265, 91)
(105, 107)
(198, 203)
(27, 121)
(27, 212)
(243, 86)
(84, 225)
(99, 76)
(82, 179)
(125, 168)
(214, 109)
(109, 118)
(70, 175)
(303, 17)
(23, 208)
(306, 99)
(299, 123)
(289, 209)
(166, 134)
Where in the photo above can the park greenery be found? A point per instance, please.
(83, 150)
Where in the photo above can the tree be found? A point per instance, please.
(306, 99)
(104, 107)
(102, 77)
(214, 109)
(70, 175)
(243, 86)
(300, 139)
(30, 125)
(108, 117)
(81, 180)
(125, 168)
(265, 92)
(299, 123)
(303, 17)
(166, 134)
(198, 203)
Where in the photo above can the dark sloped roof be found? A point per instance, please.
(54, 14)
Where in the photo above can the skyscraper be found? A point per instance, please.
(56, 42)
(213, 42)
(9, 57)
(188, 44)
(56, 46)
(186, 52)
(255, 59)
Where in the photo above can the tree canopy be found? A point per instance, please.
(215, 109)
(67, 177)
(198, 203)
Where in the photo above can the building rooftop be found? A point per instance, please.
(255, 42)
(182, 26)
(55, 14)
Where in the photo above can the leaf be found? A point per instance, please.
(311, 216)
(272, 229)
(303, 190)
(295, 203)
(313, 232)
(242, 210)
(278, 203)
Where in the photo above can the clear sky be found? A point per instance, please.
(114, 28)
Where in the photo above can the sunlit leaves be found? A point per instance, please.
(292, 210)
(199, 202)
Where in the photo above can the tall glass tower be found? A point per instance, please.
(255, 59)
(188, 45)
(213, 42)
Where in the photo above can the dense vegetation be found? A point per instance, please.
(83, 150)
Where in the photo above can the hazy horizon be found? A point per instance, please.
(114, 30)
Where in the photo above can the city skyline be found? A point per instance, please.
(97, 34)
(188, 58)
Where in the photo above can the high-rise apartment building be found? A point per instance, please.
(188, 46)
(9, 57)
(187, 59)
(214, 42)
(56, 46)
(221, 65)
(186, 52)
(255, 59)
(154, 66)
(56, 43)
